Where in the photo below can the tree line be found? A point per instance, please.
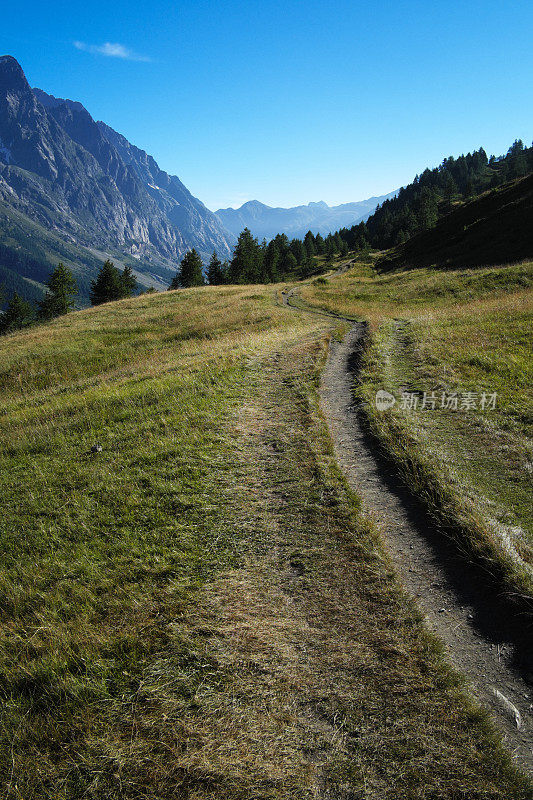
(416, 208)
(432, 194)
(261, 262)
(110, 284)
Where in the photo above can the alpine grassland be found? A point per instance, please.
(454, 349)
(193, 605)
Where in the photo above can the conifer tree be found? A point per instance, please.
(271, 263)
(128, 282)
(450, 187)
(18, 314)
(191, 272)
(517, 159)
(175, 282)
(282, 242)
(320, 245)
(246, 266)
(331, 247)
(428, 210)
(299, 252)
(108, 285)
(61, 289)
(309, 243)
(215, 270)
(362, 244)
(288, 263)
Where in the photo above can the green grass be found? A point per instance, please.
(459, 331)
(98, 551)
(362, 292)
(198, 611)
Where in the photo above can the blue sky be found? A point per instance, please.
(287, 102)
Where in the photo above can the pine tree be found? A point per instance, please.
(517, 159)
(246, 266)
(288, 263)
(108, 285)
(320, 245)
(450, 187)
(362, 244)
(175, 282)
(191, 272)
(299, 252)
(309, 242)
(469, 188)
(128, 282)
(271, 263)
(61, 288)
(18, 314)
(215, 270)
(331, 247)
(428, 210)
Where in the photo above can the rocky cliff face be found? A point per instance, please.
(184, 211)
(87, 183)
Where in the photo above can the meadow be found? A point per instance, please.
(192, 604)
(463, 333)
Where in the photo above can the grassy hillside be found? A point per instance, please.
(443, 333)
(198, 610)
(495, 228)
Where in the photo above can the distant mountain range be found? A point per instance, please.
(265, 221)
(73, 189)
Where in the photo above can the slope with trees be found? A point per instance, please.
(433, 194)
(495, 228)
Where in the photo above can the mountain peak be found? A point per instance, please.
(266, 222)
(250, 204)
(12, 77)
(49, 101)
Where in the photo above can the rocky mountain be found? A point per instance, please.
(82, 186)
(265, 221)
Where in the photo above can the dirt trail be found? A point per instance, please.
(482, 638)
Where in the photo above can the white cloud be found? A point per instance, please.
(111, 49)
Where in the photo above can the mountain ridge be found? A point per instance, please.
(84, 183)
(266, 221)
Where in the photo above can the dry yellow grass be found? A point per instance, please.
(197, 611)
(456, 331)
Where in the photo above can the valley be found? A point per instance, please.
(266, 526)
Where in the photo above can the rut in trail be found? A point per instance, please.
(483, 638)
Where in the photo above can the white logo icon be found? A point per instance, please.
(384, 400)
